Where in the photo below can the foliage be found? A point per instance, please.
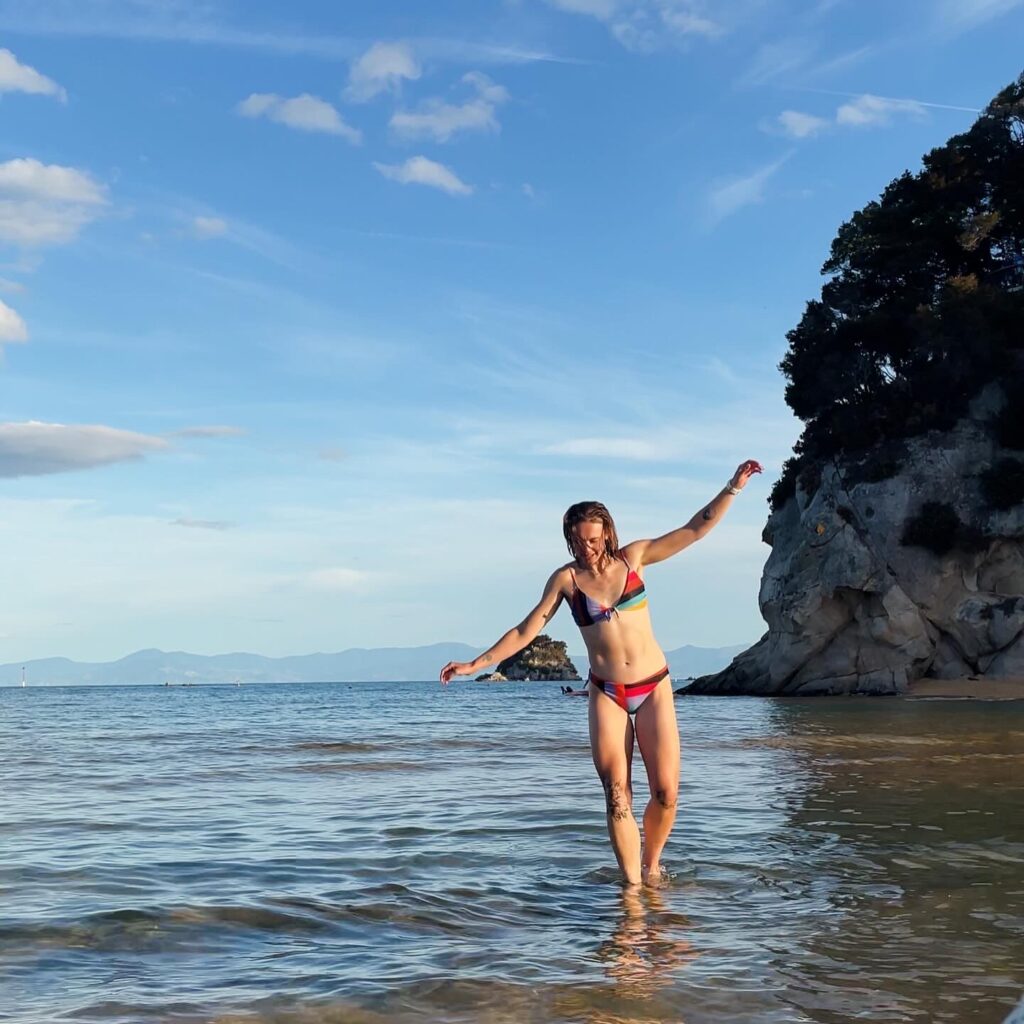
(924, 300)
(1002, 486)
(937, 528)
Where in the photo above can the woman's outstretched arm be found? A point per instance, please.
(646, 552)
(517, 637)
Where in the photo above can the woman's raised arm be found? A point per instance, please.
(647, 552)
(517, 637)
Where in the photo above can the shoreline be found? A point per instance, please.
(967, 688)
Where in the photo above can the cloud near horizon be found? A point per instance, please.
(39, 449)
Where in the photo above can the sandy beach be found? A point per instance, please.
(968, 687)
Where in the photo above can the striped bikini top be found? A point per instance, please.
(586, 611)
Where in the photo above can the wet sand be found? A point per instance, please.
(968, 688)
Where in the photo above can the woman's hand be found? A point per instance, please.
(455, 668)
(745, 471)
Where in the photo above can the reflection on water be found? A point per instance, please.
(405, 853)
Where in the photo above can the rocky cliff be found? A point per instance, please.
(544, 658)
(901, 564)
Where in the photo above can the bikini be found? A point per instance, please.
(588, 612)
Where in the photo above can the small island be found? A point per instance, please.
(543, 659)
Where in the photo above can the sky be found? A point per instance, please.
(314, 318)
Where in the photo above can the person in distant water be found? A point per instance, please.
(629, 684)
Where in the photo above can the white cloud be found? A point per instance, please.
(645, 25)
(418, 170)
(607, 448)
(797, 125)
(336, 579)
(867, 111)
(381, 69)
(201, 524)
(12, 327)
(213, 431)
(304, 113)
(440, 121)
(209, 227)
(18, 77)
(46, 204)
(36, 449)
(7, 285)
(732, 195)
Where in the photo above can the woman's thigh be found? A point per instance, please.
(657, 733)
(611, 737)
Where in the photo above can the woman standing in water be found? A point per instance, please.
(630, 688)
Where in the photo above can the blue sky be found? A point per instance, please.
(316, 316)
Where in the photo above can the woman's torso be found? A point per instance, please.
(615, 622)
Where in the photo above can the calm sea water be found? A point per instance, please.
(318, 854)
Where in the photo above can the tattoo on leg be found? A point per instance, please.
(615, 801)
(709, 513)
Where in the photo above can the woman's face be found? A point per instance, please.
(589, 543)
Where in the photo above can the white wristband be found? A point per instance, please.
(731, 489)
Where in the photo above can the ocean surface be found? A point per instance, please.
(369, 853)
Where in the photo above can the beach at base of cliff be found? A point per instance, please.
(968, 688)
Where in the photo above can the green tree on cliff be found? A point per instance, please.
(924, 302)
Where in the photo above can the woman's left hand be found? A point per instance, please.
(745, 471)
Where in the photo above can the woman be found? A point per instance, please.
(629, 684)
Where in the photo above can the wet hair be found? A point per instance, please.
(590, 512)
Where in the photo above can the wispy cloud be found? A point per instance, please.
(418, 170)
(382, 68)
(212, 431)
(438, 120)
(647, 25)
(18, 77)
(732, 195)
(962, 15)
(188, 23)
(37, 449)
(304, 113)
(796, 125)
(209, 227)
(202, 524)
(867, 111)
(333, 453)
(607, 448)
(12, 327)
(336, 579)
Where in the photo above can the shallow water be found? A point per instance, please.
(366, 853)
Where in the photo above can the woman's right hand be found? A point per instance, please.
(455, 668)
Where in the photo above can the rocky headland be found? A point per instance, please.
(874, 584)
(897, 529)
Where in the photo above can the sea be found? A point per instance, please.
(361, 853)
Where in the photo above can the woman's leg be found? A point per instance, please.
(611, 744)
(658, 736)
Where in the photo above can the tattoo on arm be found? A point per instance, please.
(709, 513)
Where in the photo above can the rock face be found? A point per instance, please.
(544, 658)
(850, 608)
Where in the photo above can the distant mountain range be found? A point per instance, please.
(153, 667)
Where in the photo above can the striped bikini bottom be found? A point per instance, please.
(629, 696)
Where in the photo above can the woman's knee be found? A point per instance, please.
(665, 794)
